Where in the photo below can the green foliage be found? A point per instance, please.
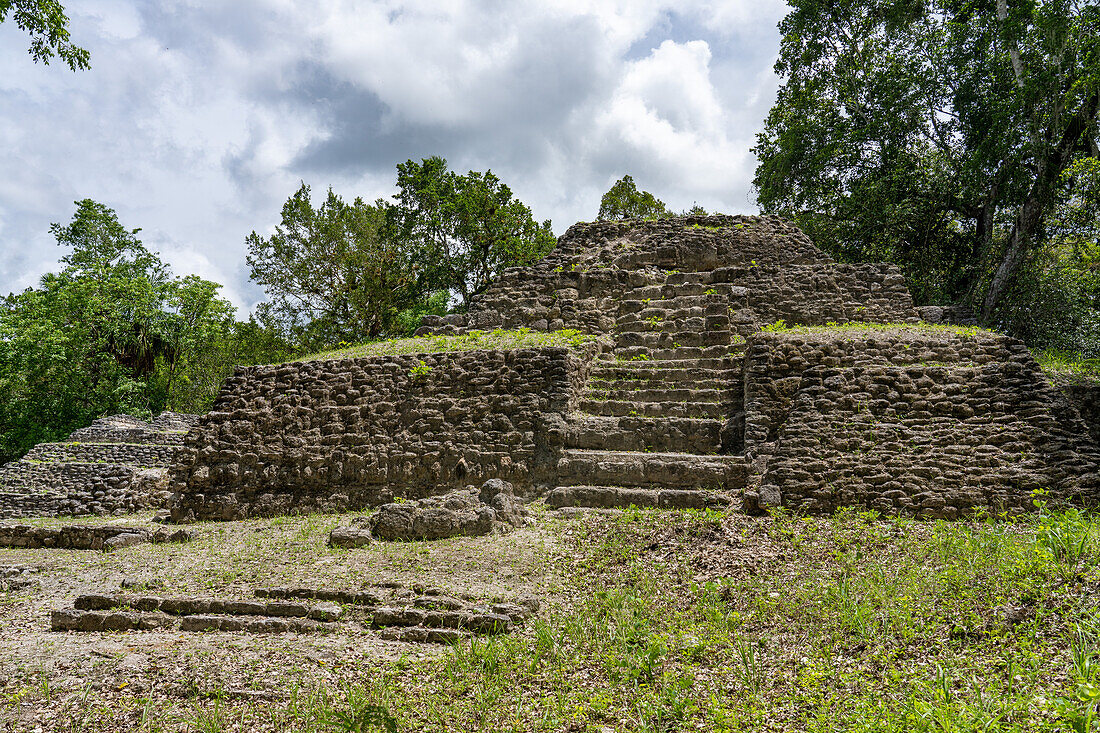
(934, 135)
(499, 339)
(464, 229)
(333, 273)
(1066, 538)
(1055, 302)
(352, 272)
(624, 201)
(112, 332)
(420, 371)
(48, 26)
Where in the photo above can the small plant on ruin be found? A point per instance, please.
(710, 291)
(420, 371)
(776, 327)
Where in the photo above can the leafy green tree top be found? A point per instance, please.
(624, 201)
(932, 133)
(48, 26)
(333, 272)
(466, 229)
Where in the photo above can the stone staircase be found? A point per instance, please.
(654, 428)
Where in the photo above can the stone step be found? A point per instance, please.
(618, 389)
(617, 497)
(702, 436)
(619, 408)
(729, 362)
(670, 393)
(655, 373)
(642, 353)
(682, 321)
(697, 286)
(651, 470)
(642, 310)
(673, 341)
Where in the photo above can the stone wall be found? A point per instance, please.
(347, 434)
(116, 465)
(934, 441)
(1085, 396)
(775, 362)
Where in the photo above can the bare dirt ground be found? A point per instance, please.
(228, 561)
(653, 621)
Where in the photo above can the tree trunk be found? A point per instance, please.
(1033, 211)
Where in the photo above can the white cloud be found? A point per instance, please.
(200, 117)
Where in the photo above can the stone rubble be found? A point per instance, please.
(426, 616)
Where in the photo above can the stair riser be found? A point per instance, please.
(641, 353)
(639, 470)
(673, 341)
(660, 394)
(633, 434)
(602, 497)
(656, 377)
(713, 411)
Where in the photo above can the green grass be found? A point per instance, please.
(497, 340)
(1068, 367)
(862, 330)
(683, 621)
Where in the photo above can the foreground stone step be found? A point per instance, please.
(618, 497)
(619, 408)
(687, 435)
(651, 470)
(104, 537)
(72, 619)
(188, 606)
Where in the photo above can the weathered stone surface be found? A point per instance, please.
(469, 513)
(352, 537)
(116, 465)
(673, 408)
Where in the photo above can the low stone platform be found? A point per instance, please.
(87, 537)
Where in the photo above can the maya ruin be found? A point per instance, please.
(721, 365)
(732, 364)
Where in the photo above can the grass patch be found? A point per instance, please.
(497, 340)
(863, 330)
(665, 621)
(1066, 367)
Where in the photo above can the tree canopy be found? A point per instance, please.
(48, 26)
(934, 134)
(335, 272)
(352, 272)
(113, 331)
(624, 201)
(464, 229)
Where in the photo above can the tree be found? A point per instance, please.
(333, 273)
(85, 342)
(624, 201)
(465, 229)
(933, 134)
(48, 26)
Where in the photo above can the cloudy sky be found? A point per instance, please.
(199, 118)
